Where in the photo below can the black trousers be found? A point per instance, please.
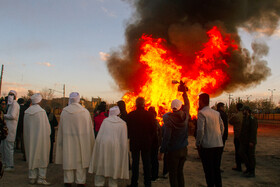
(146, 160)
(165, 164)
(211, 161)
(51, 152)
(176, 160)
(247, 154)
(237, 155)
(154, 163)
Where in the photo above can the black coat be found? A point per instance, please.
(20, 119)
(141, 130)
(225, 121)
(249, 130)
(53, 123)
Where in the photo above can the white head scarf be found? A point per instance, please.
(14, 92)
(36, 98)
(114, 111)
(74, 97)
(11, 98)
(176, 104)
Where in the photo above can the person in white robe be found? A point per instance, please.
(110, 153)
(75, 141)
(37, 141)
(11, 118)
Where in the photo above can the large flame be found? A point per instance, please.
(206, 74)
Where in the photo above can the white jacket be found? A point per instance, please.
(12, 120)
(210, 128)
(75, 138)
(37, 132)
(110, 153)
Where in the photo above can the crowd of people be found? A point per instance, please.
(105, 143)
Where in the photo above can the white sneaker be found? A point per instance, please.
(43, 182)
(9, 169)
(32, 181)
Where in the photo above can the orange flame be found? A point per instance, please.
(205, 74)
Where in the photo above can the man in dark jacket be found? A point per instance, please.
(248, 141)
(221, 110)
(53, 123)
(175, 140)
(141, 132)
(236, 121)
(155, 146)
(122, 107)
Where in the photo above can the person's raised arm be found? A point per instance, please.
(186, 103)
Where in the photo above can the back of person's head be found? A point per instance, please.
(152, 110)
(114, 111)
(20, 101)
(176, 105)
(204, 97)
(220, 105)
(102, 106)
(140, 102)
(239, 106)
(247, 108)
(28, 103)
(121, 105)
(74, 97)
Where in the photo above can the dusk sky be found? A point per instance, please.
(45, 44)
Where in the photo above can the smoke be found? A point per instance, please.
(184, 23)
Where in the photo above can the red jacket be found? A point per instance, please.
(98, 121)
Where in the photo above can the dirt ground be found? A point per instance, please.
(267, 169)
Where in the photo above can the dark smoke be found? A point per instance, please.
(184, 23)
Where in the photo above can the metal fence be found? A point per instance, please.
(267, 116)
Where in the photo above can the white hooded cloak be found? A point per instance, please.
(36, 137)
(110, 153)
(75, 138)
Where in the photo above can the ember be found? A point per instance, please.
(205, 74)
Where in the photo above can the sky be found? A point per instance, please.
(45, 44)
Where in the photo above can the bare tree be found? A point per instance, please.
(47, 93)
(28, 95)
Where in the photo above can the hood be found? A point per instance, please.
(33, 109)
(74, 108)
(114, 119)
(177, 119)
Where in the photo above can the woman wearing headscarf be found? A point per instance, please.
(110, 153)
(101, 115)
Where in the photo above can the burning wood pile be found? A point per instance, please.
(194, 41)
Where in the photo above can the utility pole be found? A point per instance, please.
(271, 97)
(2, 69)
(63, 92)
(63, 95)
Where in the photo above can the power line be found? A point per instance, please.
(2, 69)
